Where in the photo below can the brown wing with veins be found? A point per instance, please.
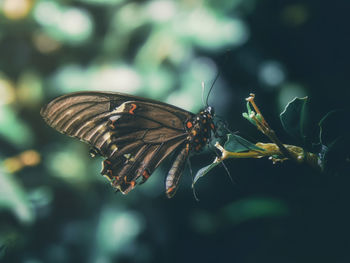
(135, 134)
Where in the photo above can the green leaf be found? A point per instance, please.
(335, 140)
(237, 144)
(294, 119)
(333, 126)
(203, 171)
(249, 109)
(234, 143)
(247, 114)
(14, 129)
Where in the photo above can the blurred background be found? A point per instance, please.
(54, 204)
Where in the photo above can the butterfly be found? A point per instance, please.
(134, 134)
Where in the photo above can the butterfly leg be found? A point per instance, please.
(191, 172)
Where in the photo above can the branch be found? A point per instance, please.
(274, 153)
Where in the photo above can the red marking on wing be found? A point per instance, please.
(133, 107)
(132, 183)
(189, 124)
(145, 174)
(171, 189)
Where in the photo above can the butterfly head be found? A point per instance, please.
(209, 110)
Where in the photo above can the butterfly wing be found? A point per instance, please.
(135, 134)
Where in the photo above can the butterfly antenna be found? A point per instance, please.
(191, 172)
(203, 88)
(211, 88)
(217, 76)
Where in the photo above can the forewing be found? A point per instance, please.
(110, 120)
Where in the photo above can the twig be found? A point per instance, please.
(265, 128)
(271, 150)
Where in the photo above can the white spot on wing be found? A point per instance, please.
(120, 108)
(115, 117)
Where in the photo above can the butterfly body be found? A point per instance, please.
(134, 133)
(199, 129)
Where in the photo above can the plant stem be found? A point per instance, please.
(272, 150)
(265, 128)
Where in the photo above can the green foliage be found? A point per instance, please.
(334, 127)
(236, 144)
(332, 148)
(14, 198)
(14, 129)
(203, 171)
(295, 119)
(250, 115)
(247, 115)
(335, 141)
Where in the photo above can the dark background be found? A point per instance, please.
(55, 207)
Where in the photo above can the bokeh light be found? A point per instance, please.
(30, 89)
(271, 74)
(107, 77)
(103, 2)
(161, 10)
(26, 158)
(68, 24)
(13, 198)
(7, 91)
(295, 14)
(14, 129)
(116, 230)
(45, 44)
(211, 31)
(16, 9)
(74, 170)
